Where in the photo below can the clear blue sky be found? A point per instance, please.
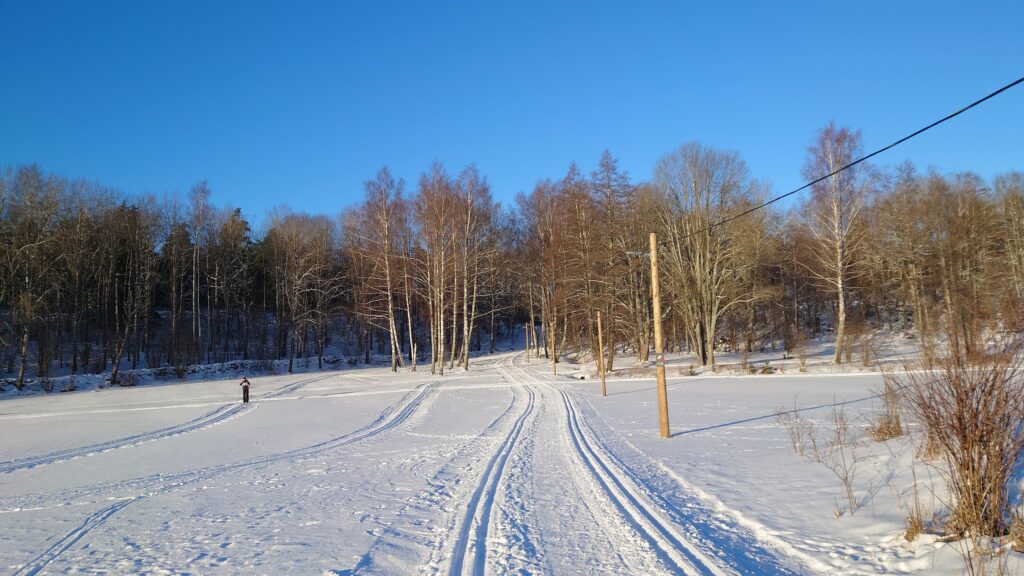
(298, 103)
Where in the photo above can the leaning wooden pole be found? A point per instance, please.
(600, 354)
(659, 348)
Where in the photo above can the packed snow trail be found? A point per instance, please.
(687, 538)
(555, 517)
(470, 553)
(476, 463)
(390, 418)
(215, 416)
(94, 520)
(502, 469)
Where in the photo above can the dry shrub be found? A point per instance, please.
(975, 416)
(915, 527)
(887, 422)
(831, 446)
(127, 379)
(1017, 532)
(802, 431)
(928, 450)
(871, 345)
(795, 342)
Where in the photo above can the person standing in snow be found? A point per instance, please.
(245, 389)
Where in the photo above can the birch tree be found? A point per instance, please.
(435, 208)
(473, 236)
(834, 215)
(379, 229)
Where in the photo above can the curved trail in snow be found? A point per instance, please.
(390, 418)
(215, 416)
(459, 543)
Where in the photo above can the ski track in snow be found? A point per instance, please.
(95, 519)
(408, 528)
(744, 545)
(391, 417)
(470, 551)
(688, 536)
(215, 416)
(637, 516)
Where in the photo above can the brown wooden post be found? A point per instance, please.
(659, 348)
(554, 342)
(600, 354)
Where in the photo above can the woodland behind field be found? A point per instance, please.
(92, 281)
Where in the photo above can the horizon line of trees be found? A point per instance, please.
(91, 281)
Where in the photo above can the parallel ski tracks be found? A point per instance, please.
(37, 564)
(391, 417)
(215, 416)
(647, 520)
(470, 551)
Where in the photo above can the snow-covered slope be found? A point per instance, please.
(502, 469)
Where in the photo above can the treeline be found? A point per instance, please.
(92, 281)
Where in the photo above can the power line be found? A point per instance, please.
(863, 158)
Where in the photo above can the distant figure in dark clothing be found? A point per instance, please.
(245, 389)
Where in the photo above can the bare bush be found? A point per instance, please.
(1017, 532)
(887, 423)
(928, 449)
(831, 446)
(264, 366)
(841, 456)
(871, 345)
(801, 430)
(796, 345)
(916, 524)
(127, 379)
(975, 416)
(915, 527)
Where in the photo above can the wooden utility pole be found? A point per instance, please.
(600, 354)
(554, 342)
(658, 345)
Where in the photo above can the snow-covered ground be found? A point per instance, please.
(502, 469)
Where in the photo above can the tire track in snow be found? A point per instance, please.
(470, 550)
(215, 416)
(388, 419)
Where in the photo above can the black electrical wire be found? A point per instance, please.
(861, 159)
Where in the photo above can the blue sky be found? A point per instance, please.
(298, 103)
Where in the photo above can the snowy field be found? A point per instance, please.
(504, 469)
